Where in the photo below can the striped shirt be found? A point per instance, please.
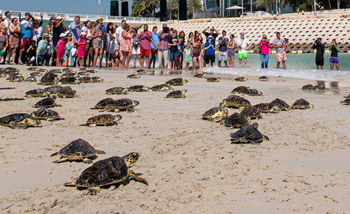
(163, 43)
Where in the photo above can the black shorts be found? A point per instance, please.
(320, 61)
(210, 58)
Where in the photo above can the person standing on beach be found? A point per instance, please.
(125, 46)
(214, 33)
(135, 47)
(14, 38)
(3, 41)
(231, 51)
(264, 47)
(319, 46)
(145, 45)
(209, 49)
(44, 50)
(75, 28)
(243, 45)
(119, 37)
(26, 29)
(97, 42)
(334, 59)
(172, 43)
(154, 46)
(280, 53)
(57, 30)
(222, 43)
(7, 23)
(163, 47)
(196, 51)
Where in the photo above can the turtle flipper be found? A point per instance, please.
(137, 178)
(70, 184)
(60, 160)
(100, 152)
(217, 119)
(130, 110)
(94, 190)
(266, 137)
(54, 154)
(87, 160)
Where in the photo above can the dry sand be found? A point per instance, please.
(189, 163)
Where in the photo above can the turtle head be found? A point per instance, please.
(184, 81)
(131, 158)
(53, 97)
(222, 104)
(117, 117)
(135, 102)
(255, 125)
(29, 122)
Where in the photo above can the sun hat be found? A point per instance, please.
(62, 35)
(82, 33)
(98, 18)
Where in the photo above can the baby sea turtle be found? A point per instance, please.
(30, 79)
(215, 114)
(177, 94)
(251, 113)
(307, 87)
(213, 79)
(66, 92)
(240, 90)
(263, 78)
(122, 105)
(77, 150)
(110, 171)
(301, 104)
(15, 78)
(234, 101)
(36, 93)
(133, 76)
(176, 82)
(19, 120)
(103, 103)
(241, 79)
(36, 74)
(346, 101)
(46, 114)
(248, 134)
(68, 80)
(267, 108)
(236, 121)
(201, 75)
(96, 79)
(117, 90)
(50, 78)
(48, 102)
(282, 105)
(53, 89)
(162, 87)
(85, 79)
(103, 120)
(139, 88)
(91, 71)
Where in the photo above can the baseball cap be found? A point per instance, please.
(210, 37)
(62, 35)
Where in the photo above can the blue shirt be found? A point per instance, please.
(44, 48)
(74, 30)
(103, 28)
(209, 51)
(155, 39)
(26, 33)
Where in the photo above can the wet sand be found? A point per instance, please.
(190, 164)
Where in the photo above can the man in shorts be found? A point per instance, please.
(280, 53)
(26, 34)
(243, 45)
(145, 45)
(222, 43)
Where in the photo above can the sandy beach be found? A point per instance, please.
(190, 164)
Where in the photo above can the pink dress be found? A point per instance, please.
(125, 44)
(264, 47)
(81, 48)
(61, 45)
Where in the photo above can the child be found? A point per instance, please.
(179, 54)
(81, 49)
(172, 43)
(188, 55)
(61, 44)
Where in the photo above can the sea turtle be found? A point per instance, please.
(251, 113)
(308, 87)
(67, 69)
(162, 87)
(213, 79)
(215, 114)
(33, 69)
(48, 102)
(103, 120)
(301, 104)
(96, 79)
(201, 75)
(177, 94)
(141, 71)
(248, 134)
(11, 70)
(53, 89)
(15, 78)
(235, 101)
(110, 171)
(139, 88)
(254, 92)
(133, 76)
(83, 73)
(346, 101)
(267, 108)
(91, 71)
(236, 121)
(30, 79)
(103, 103)
(77, 150)
(122, 105)
(45, 114)
(66, 92)
(69, 74)
(19, 120)
(241, 79)
(240, 90)
(176, 82)
(348, 96)
(117, 90)
(50, 78)
(68, 80)
(85, 79)
(282, 105)
(36, 93)
(36, 74)
(263, 78)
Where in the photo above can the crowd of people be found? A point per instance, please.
(81, 44)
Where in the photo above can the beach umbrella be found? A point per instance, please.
(235, 8)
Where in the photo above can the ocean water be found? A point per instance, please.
(298, 66)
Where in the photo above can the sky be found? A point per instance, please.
(58, 6)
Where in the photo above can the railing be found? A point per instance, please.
(84, 17)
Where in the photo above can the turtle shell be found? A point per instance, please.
(282, 105)
(199, 75)
(139, 88)
(78, 147)
(122, 104)
(265, 107)
(133, 76)
(49, 78)
(53, 89)
(18, 120)
(45, 114)
(46, 102)
(301, 104)
(176, 94)
(263, 78)
(251, 112)
(85, 79)
(235, 101)
(69, 80)
(215, 114)
(176, 81)
(103, 103)
(240, 79)
(162, 87)
(240, 90)
(308, 87)
(96, 79)
(103, 120)
(346, 101)
(236, 121)
(66, 92)
(36, 93)
(254, 92)
(104, 172)
(117, 90)
(247, 134)
(213, 79)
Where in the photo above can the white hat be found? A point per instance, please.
(62, 35)
(286, 37)
(59, 17)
